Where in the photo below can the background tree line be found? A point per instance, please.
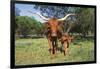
(82, 23)
(27, 26)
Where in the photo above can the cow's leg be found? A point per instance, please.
(61, 48)
(53, 50)
(50, 46)
(54, 47)
(67, 48)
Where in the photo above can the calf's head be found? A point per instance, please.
(66, 38)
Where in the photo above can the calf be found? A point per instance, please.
(65, 41)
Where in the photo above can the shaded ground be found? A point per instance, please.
(35, 51)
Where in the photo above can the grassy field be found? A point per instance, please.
(35, 51)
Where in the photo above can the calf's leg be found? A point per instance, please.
(66, 48)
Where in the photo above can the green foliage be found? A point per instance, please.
(26, 26)
(85, 20)
(54, 11)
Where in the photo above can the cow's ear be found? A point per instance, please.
(60, 23)
(47, 24)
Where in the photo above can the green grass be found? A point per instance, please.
(35, 51)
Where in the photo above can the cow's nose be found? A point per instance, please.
(53, 34)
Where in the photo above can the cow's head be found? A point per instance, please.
(53, 26)
(53, 23)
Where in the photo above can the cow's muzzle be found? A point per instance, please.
(54, 35)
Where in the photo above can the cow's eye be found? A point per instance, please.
(48, 27)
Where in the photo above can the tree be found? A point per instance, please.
(23, 25)
(85, 20)
(54, 11)
(27, 26)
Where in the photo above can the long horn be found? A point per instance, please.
(64, 18)
(44, 18)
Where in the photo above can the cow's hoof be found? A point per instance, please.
(49, 50)
(64, 53)
(53, 56)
